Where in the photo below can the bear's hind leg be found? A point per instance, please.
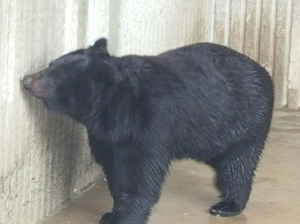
(234, 177)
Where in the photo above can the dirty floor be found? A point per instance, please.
(189, 190)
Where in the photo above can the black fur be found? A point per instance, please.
(203, 101)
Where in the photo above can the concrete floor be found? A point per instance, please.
(189, 191)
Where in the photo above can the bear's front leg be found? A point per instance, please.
(128, 210)
(136, 184)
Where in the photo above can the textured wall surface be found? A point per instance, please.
(266, 30)
(44, 158)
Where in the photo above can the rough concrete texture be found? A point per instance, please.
(44, 158)
(189, 191)
(267, 31)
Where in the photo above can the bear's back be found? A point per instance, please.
(212, 91)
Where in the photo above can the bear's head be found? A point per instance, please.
(69, 82)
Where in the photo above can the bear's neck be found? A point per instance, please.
(115, 113)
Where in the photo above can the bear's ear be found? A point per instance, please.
(100, 47)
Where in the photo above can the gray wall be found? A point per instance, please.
(45, 159)
(266, 30)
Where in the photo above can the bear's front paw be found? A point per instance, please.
(225, 209)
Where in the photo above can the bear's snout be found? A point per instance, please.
(27, 81)
(30, 83)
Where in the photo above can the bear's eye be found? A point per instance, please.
(55, 74)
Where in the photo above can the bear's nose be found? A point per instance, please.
(27, 81)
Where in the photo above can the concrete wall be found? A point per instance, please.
(44, 158)
(266, 30)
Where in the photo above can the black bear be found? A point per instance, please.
(204, 101)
